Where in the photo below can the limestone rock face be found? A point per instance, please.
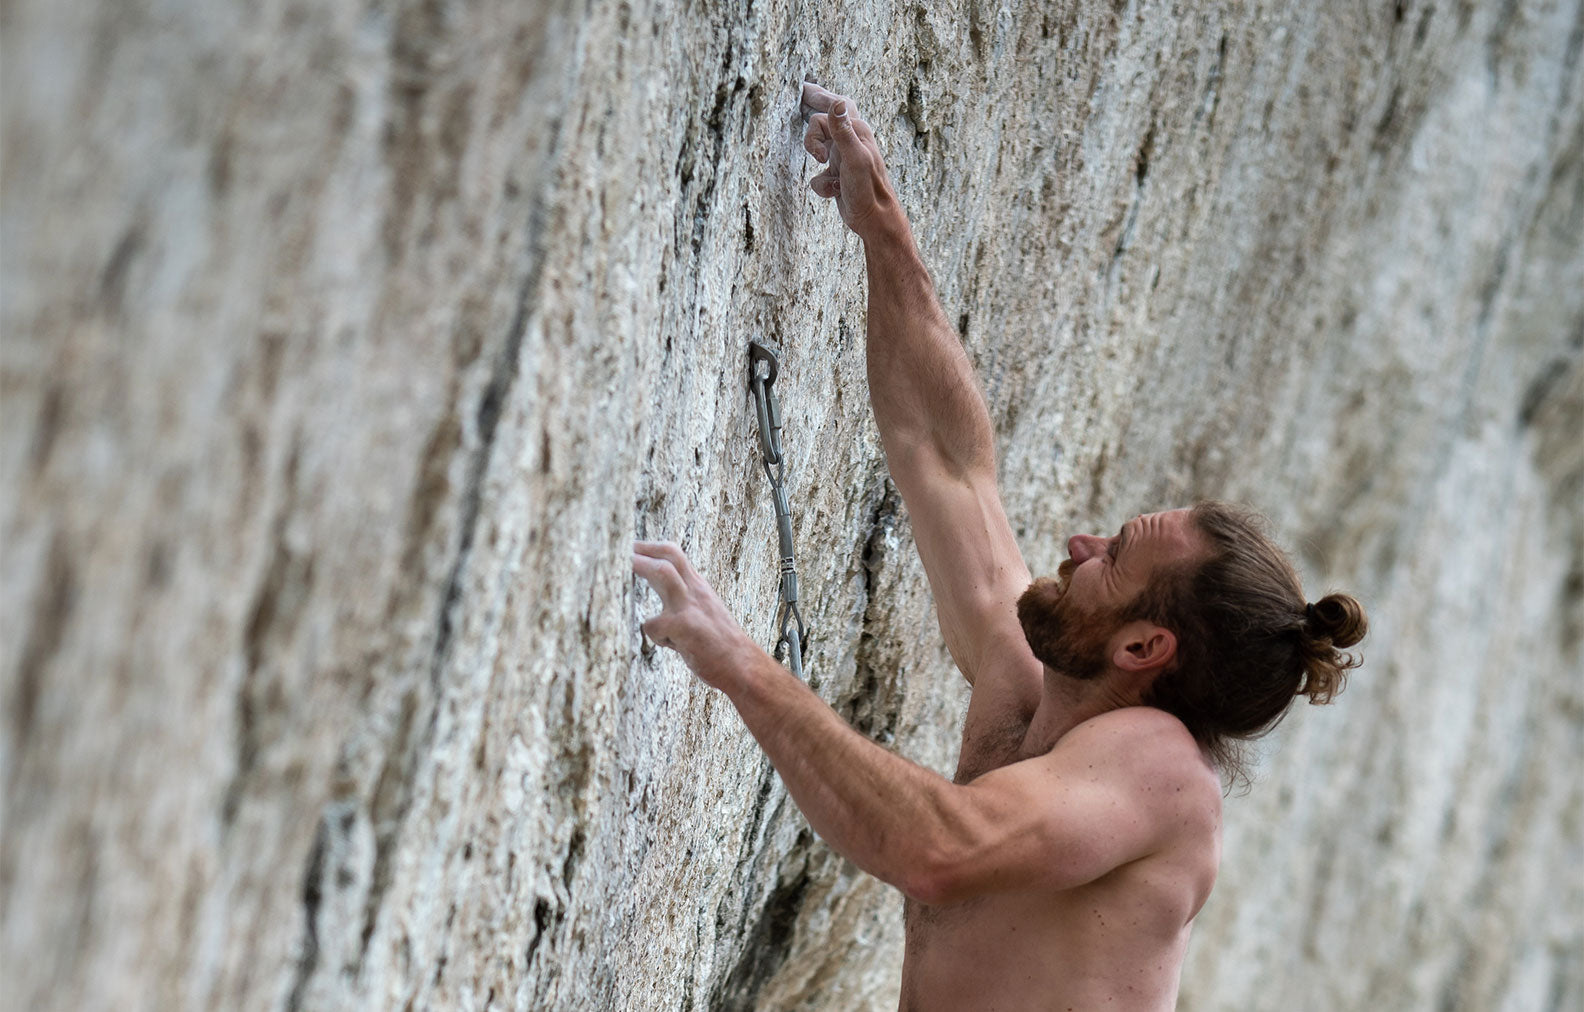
(348, 346)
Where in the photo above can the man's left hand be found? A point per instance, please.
(692, 619)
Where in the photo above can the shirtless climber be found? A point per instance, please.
(1063, 866)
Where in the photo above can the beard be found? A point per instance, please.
(1062, 637)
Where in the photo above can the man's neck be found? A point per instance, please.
(1068, 702)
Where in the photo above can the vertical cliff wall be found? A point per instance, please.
(346, 347)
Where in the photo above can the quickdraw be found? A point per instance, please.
(794, 634)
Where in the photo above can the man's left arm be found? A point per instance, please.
(1056, 821)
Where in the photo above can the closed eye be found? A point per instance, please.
(1116, 543)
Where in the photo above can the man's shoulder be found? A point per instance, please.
(1142, 744)
(1134, 725)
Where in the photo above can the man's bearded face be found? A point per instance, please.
(1061, 634)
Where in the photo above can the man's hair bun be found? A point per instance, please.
(1338, 618)
(1330, 624)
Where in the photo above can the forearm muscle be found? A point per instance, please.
(921, 383)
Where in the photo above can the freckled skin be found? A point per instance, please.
(1116, 942)
(1119, 940)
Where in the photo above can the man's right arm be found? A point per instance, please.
(932, 418)
(941, 452)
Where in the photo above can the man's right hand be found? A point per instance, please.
(855, 174)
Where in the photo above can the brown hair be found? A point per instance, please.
(1248, 643)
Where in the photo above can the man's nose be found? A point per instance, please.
(1083, 547)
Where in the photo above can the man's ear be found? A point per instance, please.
(1145, 648)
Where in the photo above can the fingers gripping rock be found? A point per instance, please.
(840, 116)
(692, 619)
(663, 576)
(854, 174)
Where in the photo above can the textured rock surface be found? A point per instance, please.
(346, 348)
